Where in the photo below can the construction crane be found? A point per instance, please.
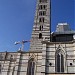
(22, 42)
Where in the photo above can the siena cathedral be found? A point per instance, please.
(51, 53)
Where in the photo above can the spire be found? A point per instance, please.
(41, 27)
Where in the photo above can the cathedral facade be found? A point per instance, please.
(51, 53)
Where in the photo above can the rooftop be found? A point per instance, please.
(63, 28)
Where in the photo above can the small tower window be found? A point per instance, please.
(42, 7)
(0, 67)
(41, 19)
(42, 1)
(42, 13)
(40, 35)
(41, 27)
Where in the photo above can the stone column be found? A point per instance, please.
(43, 60)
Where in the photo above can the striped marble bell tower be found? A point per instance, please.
(41, 28)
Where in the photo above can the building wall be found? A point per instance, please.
(69, 55)
(16, 63)
(19, 63)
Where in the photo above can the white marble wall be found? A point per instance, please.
(69, 49)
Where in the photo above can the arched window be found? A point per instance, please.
(59, 62)
(31, 67)
(40, 35)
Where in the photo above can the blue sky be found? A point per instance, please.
(17, 17)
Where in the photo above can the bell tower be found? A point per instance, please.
(41, 27)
